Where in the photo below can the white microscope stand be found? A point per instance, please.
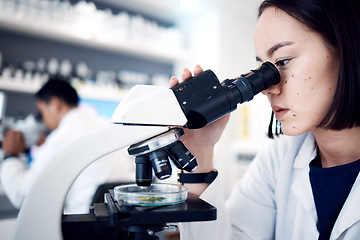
(40, 215)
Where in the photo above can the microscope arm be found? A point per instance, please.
(41, 212)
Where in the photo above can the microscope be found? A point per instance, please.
(149, 121)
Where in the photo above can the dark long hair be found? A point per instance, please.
(338, 22)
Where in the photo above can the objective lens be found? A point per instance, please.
(160, 163)
(143, 171)
(182, 157)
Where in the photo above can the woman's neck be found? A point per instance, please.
(338, 147)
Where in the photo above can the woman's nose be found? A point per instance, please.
(275, 89)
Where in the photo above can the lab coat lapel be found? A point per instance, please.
(350, 213)
(301, 186)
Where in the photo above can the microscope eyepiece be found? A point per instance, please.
(203, 99)
(257, 80)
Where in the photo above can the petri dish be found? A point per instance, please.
(153, 195)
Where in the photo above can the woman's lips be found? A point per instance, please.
(279, 112)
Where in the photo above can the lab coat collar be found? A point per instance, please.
(306, 153)
(301, 186)
(65, 121)
(69, 116)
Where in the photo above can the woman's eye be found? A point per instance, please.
(282, 63)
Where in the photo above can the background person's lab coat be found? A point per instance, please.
(274, 200)
(16, 177)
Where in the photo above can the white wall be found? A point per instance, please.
(219, 35)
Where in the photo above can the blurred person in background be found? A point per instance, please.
(58, 104)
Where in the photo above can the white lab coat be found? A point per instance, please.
(16, 177)
(274, 200)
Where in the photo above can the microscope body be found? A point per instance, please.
(146, 113)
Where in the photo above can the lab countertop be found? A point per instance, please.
(6, 209)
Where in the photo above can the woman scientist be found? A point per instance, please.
(305, 185)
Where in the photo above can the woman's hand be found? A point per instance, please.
(200, 142)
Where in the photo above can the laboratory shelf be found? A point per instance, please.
(19, 86)
(71, 36)
(89, 91)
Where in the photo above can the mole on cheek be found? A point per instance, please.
(294, 115)
(285, 81)
(297, 94)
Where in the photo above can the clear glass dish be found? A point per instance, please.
(154, 195)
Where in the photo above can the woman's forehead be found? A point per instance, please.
(275, 27)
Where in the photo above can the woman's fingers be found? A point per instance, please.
(186, 74)
(173, 82)
(198, 69)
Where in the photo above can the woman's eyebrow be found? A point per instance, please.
(273, 49)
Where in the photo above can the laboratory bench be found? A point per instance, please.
(7, 210)
(8, 214)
